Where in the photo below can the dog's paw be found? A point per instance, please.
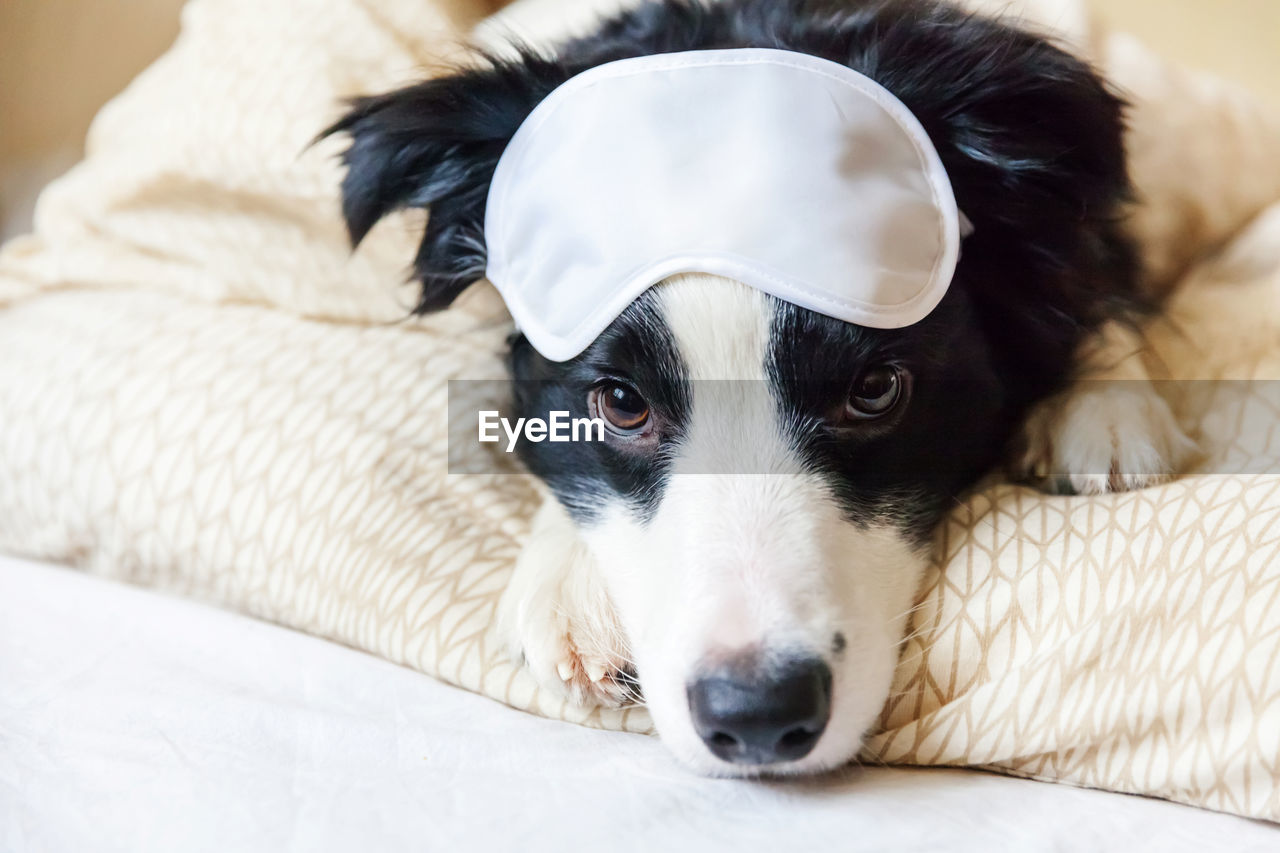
(556, 618)
(1101, 437)
(549, 646)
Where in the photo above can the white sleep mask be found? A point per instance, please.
(786, 172)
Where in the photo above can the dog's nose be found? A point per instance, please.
(762, 715)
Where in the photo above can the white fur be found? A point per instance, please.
(556, 615)
(1110, 432)
(746, 549)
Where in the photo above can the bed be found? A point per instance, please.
(135, 721)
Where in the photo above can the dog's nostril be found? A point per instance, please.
(750, 713)
(797, 738)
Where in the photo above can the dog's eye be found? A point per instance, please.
(622, 407)
(876, 392)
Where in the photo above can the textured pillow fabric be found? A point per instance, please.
(1129, 642)
(201, 390)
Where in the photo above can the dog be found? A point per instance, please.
(744, 547)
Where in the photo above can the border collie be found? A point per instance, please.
(744, 547)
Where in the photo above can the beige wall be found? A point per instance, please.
(62, 59)
(1239, 39)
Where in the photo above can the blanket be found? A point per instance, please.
(202, 389)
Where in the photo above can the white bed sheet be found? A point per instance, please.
(134, 721)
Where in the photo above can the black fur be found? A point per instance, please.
(637, 349)
(904, 469)
(436, 145)
(1030, 136)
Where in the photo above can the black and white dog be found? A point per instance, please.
(745, 545)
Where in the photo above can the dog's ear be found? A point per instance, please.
(1033, 141)
(435, 145)
(1030, 134)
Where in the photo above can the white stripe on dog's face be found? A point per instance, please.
(748, 551)
(721, 328)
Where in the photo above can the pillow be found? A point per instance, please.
(202, 390)
(227, 402)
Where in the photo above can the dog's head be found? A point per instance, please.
(762, 506)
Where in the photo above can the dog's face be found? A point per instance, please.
(762, 506)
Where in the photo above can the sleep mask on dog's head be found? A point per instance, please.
(786, 172)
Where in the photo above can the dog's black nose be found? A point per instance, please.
(762, 715)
